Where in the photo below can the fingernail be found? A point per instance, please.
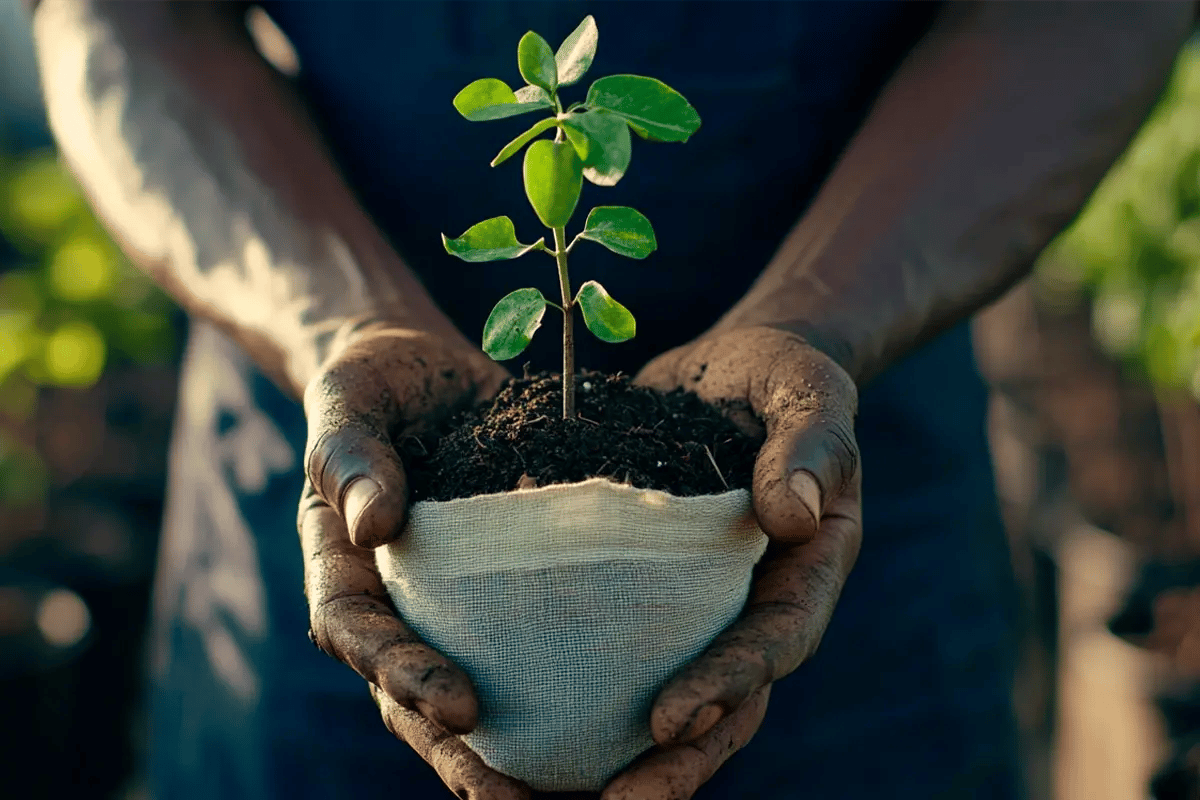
(428, 712)
(358, 496)
(703, 721)
(804, 486)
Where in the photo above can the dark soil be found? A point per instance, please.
(674, 442)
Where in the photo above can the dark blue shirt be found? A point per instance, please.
(779, 86)
(909, 695)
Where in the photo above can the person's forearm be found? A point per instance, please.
(984, 146)
(204, 166)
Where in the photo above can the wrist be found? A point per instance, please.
(830, 342)
(829, 339)
(331, 340)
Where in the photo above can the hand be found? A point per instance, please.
(807, 499)
(356, 498)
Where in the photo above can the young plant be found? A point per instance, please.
(592, 141)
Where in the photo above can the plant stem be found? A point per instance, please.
(568, 306)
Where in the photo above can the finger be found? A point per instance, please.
(377, 388)
(351, 462)
(789, 607)
(675, 773)
(807, 460)
(810, 455)
(665, 372)
(352, 619)
(459, 767)
(807, 403)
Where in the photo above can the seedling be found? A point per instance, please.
(592, 141)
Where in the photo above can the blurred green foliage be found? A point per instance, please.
(70, 305)
(1135, 249)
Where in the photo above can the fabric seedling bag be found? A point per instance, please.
(570, 606)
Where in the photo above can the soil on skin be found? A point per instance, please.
(628, 433)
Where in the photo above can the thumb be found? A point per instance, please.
(810, 455)
(350, 459)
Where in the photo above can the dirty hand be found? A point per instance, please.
(806, 497)
(355, 498)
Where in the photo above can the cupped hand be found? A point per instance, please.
(370, 395)
(807, 499)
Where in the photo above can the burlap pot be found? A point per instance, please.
(570, 606)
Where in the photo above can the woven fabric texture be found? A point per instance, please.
(570, 606)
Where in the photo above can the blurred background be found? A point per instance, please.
(88, 353)
(1094, 363)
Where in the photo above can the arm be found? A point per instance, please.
(984, 145)
(201, 161)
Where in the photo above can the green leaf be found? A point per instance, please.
(534, 94)
(536, 62)
(602, 141)
(493, 239)
(510, 327)
(621, 229)
(605, 317)
(516, 144)
(575, 54)
(653, 109)
(490, 98)
(553, 178)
